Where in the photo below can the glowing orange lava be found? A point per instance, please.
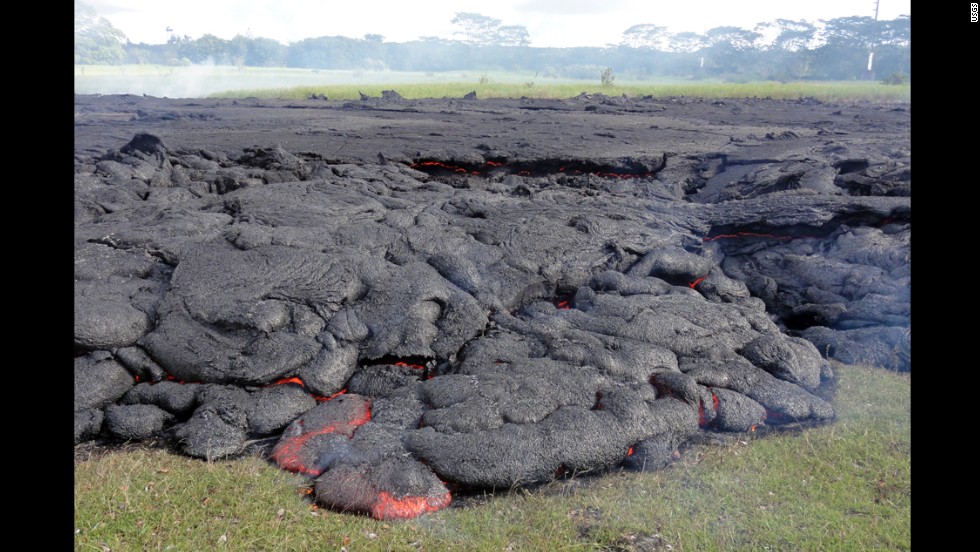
(694, 284)
(284, 381)
(389, 507)
(701, 418)
(407, 365)
(321, 398)
(288, 453)
(299, 382)
(453, 168)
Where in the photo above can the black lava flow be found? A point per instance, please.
(397, 335)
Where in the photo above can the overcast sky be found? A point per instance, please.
(555, 23)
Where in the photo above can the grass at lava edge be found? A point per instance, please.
(844, 486)
(220, 81)
(830, 91)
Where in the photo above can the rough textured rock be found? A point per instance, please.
(495, 293)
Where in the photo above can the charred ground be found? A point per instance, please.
(453, 294)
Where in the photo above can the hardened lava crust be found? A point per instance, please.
(415, 297)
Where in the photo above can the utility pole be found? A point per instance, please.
(871, 54)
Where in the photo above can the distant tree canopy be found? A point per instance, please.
(96, 40)
(835, 49)
(480, 30)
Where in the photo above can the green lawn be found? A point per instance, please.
(844, 486)
(234, 82)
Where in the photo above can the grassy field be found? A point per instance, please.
(844, 486)
(233, 82)
(823, 91)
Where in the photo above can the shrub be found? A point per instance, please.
(607, 77)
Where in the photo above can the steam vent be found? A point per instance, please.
(409, 299)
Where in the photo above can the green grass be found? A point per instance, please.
(823, 91)
(844, 486)
(296, 84)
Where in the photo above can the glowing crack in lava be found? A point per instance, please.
(777, 417)
(702, 421)
(293, 451)
(299, 382)
(695, 283)
(747, 235)
(439, 165)
(436, 166)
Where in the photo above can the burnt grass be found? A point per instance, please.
(408, 301)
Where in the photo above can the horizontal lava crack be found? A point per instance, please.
(626, 168)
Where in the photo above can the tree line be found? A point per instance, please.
(843, 48)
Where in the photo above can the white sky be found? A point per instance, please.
(554, 23)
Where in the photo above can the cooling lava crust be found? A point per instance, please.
(414, 297)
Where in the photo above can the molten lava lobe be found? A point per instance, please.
(143, 367)
(332, 367)
(653, 453)
(137, 421)
(177, 398)
(383, 379)
(299, 447)
(789, 358)
(277, 406)
(395, 488)
(736, 412)
(219, 426)
(88, 424)
(99, 381)
(672, 264)
(218, 326)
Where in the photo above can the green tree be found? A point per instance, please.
(476, 29)
(512, 35)
(96, 40)
(646, 35)
(481, 30)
